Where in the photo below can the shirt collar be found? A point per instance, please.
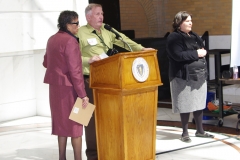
(91, 29)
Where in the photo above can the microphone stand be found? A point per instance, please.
(109, 28)
(120, 38)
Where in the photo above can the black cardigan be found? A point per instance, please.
(180, 56)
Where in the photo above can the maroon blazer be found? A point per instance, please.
(63, 62)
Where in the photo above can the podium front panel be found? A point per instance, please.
(126, 109)
(109, 126)
(126, 124)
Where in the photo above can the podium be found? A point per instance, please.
(126, 108)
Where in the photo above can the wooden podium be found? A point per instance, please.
(126, 109)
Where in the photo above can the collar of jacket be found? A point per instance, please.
(70, 34)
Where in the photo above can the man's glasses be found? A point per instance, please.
(77, 23)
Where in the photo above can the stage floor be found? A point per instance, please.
(31, 139)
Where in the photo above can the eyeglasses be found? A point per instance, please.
(77, 23)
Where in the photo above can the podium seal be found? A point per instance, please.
(140, 69)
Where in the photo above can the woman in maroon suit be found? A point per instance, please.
(66, 83)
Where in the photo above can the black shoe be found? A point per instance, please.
(204, 135)
(186, 139)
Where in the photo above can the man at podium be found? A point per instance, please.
(96, 41)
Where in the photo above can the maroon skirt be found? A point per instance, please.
(62, 99)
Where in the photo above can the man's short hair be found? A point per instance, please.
(90, 7)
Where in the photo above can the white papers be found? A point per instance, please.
(103, 55)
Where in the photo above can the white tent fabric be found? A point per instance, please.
(235, 41)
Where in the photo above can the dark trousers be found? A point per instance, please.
(90, 132)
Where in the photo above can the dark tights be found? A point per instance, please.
(76, 144)
(198, 120)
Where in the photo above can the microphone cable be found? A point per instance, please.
(110, 51)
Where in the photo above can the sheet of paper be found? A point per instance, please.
(81, 115)
(103, 55)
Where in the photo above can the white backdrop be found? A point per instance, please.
(82, 4)
(235, 41)
(25, 26)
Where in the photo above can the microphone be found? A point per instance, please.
(109, 28)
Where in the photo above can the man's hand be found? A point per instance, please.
(93, 59)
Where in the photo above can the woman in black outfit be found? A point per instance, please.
(187, 74)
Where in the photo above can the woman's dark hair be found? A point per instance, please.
(179, 18)
(65, 18)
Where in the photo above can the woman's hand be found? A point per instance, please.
(85, 102)
(201, 52)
